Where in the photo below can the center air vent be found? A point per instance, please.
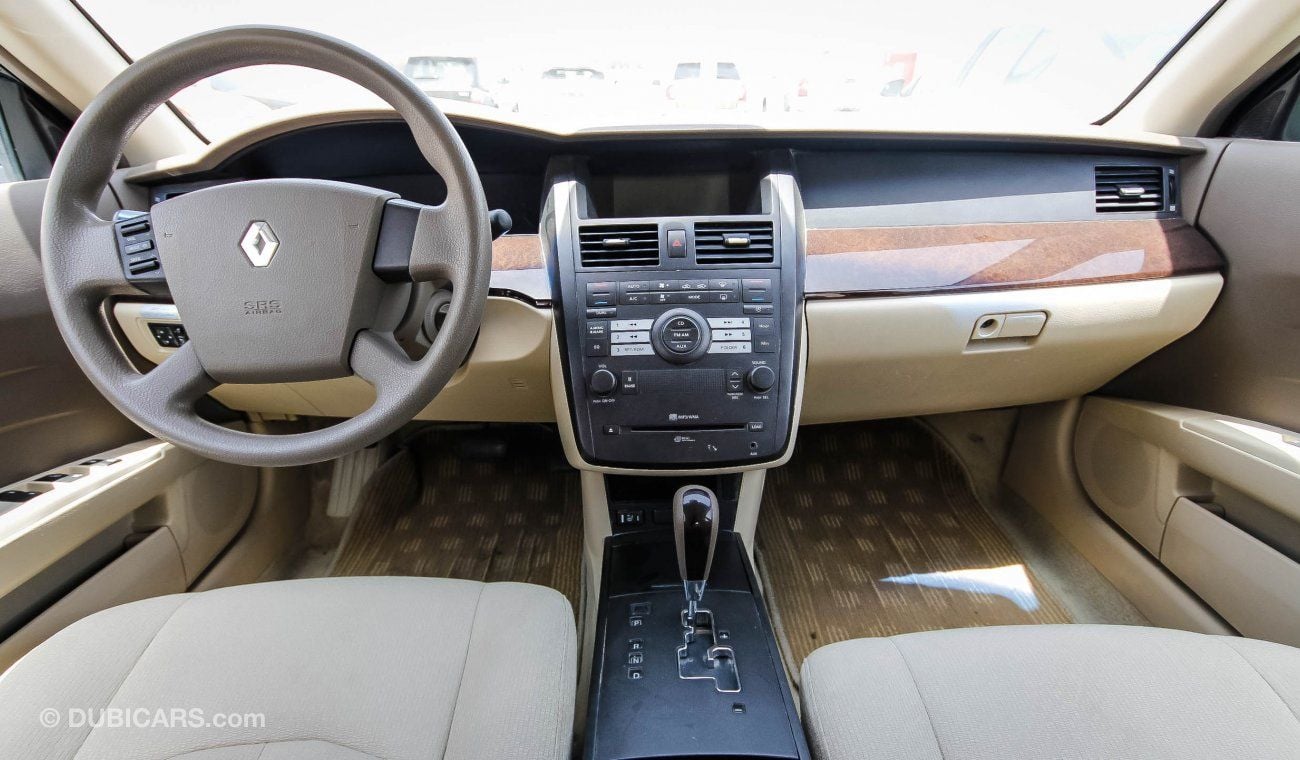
(619, 245)
(1130, 188)
(734, 243)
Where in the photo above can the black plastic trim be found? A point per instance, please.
(396, 238)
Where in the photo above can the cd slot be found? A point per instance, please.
(687, 428)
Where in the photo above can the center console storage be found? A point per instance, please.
(680, 334)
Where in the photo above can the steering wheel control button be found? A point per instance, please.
(603, 382)
(761, 379)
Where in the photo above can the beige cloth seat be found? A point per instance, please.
(340, 669)
(1081, 691)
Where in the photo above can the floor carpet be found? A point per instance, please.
(497, 505)
(872, 530)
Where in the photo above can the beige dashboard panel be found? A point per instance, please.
(507, 377)
(877, 358)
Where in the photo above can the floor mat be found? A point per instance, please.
(500, 505)
(872, 530)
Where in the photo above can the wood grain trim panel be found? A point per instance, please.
(899, 260)
(519, 269)
(514, 252)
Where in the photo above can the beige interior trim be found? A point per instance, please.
(1241, 38)
(36, 533)
(1135, 459)
(150, 568)
(1248, 582)
(65, 53)
(1040, 470)
(880, 358)
(507, 377)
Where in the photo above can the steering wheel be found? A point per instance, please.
(274, 278)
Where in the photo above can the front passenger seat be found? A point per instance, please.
(338, 669)
(1063, 691)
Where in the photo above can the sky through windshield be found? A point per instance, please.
(804, 63)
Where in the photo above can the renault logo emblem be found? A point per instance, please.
(259, 243)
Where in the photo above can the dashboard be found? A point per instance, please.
(685, 300)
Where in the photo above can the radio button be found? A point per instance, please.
(731, 335)
(724, 323)
(632, 349)
(733, 347)
(597, 329)
(631, 324)
(642, 336)
(598, 347)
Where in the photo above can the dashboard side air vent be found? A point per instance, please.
(734, 243)
(1130, 188)
(619, 245)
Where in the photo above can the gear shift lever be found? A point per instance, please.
(695, 530)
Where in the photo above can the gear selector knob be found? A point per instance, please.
(695, 531)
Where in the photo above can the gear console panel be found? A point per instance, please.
(681, 334)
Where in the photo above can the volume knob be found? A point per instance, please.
(761, 379)
(603, 382)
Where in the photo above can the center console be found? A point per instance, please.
(680, 290)
(680, 333)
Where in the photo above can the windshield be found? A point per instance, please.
(931, 64)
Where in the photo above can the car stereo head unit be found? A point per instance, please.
(681, 335)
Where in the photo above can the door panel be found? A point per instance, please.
(1244, 359)
(49, 412)
(1207, 480)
